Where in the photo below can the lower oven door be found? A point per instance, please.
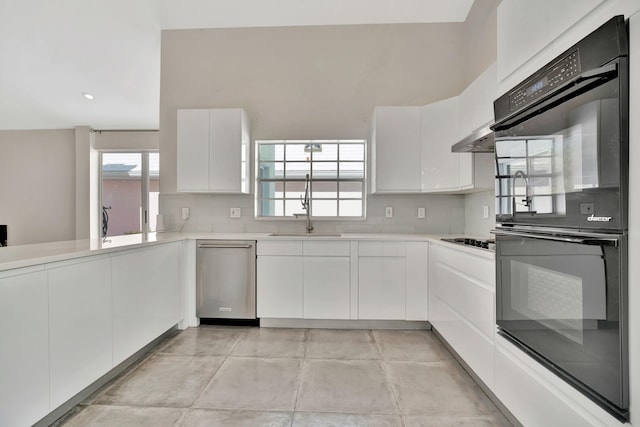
(562, 298)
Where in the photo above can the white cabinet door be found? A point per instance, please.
(417, 299)
(523, 30)
(565, 13)
(213, 150)
(228, 171)
(146, 296)
(80, 332)
(439, 131)
(381, 288)
(279, 286)
(193, 150)
(395, 150)
(326, 287)
(24, 356)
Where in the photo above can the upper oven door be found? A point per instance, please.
(562, 162)
(563, 297)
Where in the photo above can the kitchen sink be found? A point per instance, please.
(305, 234)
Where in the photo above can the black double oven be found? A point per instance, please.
(561, 151)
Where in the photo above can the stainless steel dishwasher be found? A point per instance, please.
(226, 279)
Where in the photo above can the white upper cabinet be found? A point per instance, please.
(523, 30)
(564, 14)
(395, 150)
(213, 151)
(439, 127)
(443, 124)
(526, 27)
(411, 146)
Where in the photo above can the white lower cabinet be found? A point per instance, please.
(520, 380)
(392, 280)
(279, 286)
(462, 305)
(303, 280)
(381, 287)
(342, 280)
(326, 293)
(146, 296)
(80, 332)
(24, 356)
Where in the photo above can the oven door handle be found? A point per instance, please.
(589, 240)
(573, 87)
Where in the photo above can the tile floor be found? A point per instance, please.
(217, 376)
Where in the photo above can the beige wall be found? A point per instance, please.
(305, 82)
(37, 185)
(143, 140)
(480, 38)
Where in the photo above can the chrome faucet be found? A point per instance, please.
(527, 198)
(306, 203)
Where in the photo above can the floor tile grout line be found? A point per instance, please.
(226, 357)
(307, 336)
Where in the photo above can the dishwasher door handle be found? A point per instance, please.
(222, 246)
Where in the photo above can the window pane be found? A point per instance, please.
(294, 189)
(296, 153)
(323, 151)
(327, 170)
(351, 170)
(122, 192)
(511, 148)
(297, 170)
(325, 190)
(351, 190)
(271, 207)
(273, 152)
(352, 152)
(350, 207)
(272, 189)
(540, 147)
(271, 170)
(324, 207)
(293, 207)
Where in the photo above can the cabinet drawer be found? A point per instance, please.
(284, 247)
(481, 269)
(326, 248)
(474, 302)
(391, 249)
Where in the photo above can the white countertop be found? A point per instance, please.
(20, 256)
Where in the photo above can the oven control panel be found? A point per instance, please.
(550, 78)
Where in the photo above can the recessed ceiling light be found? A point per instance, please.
(88, 96)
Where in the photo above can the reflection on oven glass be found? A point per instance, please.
(536, 172)
(555, 300)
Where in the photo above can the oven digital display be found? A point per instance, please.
(537, 86)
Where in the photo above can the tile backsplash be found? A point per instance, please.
(474, 222)
(445, 214)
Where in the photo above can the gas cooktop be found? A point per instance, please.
(488, 244)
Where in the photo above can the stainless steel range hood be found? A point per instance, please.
(480, 141)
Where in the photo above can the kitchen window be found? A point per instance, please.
(336, 170)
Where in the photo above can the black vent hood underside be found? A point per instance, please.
(480, 141)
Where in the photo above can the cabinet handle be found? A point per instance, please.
(210, 246)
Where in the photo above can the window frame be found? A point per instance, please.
(301, 180)
(144, 187)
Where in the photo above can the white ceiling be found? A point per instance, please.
(52, 51)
